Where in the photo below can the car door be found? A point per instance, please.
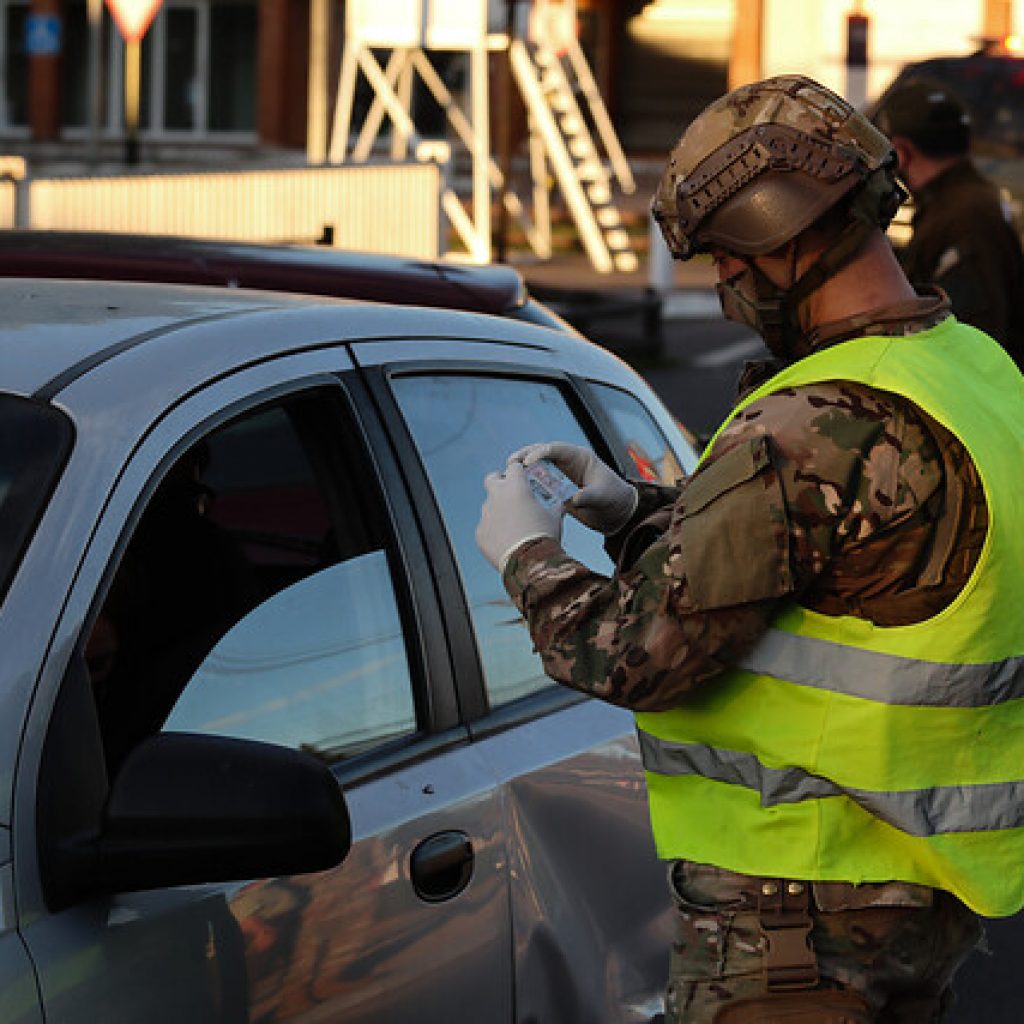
(589, 904)
(257, 572)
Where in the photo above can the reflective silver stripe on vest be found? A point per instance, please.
(918, 812)
(886, 678)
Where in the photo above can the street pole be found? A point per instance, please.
(857, 26)
(505, 137)
(132, 86)
(133, 18)
(95, 18)
(316, 117)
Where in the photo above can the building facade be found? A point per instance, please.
(234, 73)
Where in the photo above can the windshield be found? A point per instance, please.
(34, 441)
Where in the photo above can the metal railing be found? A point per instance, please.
(387, 208)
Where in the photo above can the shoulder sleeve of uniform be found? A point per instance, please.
(729, 531)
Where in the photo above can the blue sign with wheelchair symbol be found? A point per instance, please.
(42, 35)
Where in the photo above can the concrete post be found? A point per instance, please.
(660, 282)
(316, 123)
(660, 265)
(857, 33)
(745, 56)
(998, 18)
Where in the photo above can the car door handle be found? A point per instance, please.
(441, 866)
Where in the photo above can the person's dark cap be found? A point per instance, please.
(929, 115)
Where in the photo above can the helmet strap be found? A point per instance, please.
(827, 265)
(754, 299)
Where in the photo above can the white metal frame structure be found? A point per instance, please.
(548, 68)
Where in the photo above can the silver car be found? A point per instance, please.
(274, 745)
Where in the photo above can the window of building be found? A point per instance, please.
(74, 65)
(199, 70)
(15, 62)
(232, 89)
(181, 69)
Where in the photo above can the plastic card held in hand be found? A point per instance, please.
(551, 487)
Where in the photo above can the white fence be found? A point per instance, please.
(386, 208)
(8, 203)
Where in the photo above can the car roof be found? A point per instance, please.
(321, 270)
(54, 331)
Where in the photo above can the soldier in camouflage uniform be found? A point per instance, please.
(850, 500)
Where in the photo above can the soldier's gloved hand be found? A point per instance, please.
(604, 502)
(511, 516)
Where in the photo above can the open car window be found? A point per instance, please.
(255, 598)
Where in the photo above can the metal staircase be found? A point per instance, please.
(571, 136)
(547, 83)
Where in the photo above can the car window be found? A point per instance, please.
(34, 441)
(650, 455)
(465, 427)
(255, 599)
(319, 666)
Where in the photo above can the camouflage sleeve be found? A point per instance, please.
(651, 497)
(670, 620)
(799, 479)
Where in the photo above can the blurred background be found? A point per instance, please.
(530, 132)
(232, 76)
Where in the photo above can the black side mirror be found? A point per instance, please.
(185, 809)
(182, 809)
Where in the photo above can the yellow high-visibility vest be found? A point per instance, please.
(844, 751)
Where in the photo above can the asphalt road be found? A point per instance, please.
(692, 361)
(693, 364)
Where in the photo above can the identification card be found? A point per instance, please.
(551, 487)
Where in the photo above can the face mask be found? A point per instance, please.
(737, 296)
(750, 298)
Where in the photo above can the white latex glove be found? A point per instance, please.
(604, 502)
(511, 516)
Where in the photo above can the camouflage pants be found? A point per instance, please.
(899, 958)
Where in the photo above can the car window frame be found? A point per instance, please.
(429, 665)
(324, 464)
(328, 431)
(125, 499)
(20, 515)
(480, 718)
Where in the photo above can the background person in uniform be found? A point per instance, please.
(819, 631)
(963, 239)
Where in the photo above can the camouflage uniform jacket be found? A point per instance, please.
(963, 242)
(860, 505)
(855, 503)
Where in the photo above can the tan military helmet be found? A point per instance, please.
(764, 162)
